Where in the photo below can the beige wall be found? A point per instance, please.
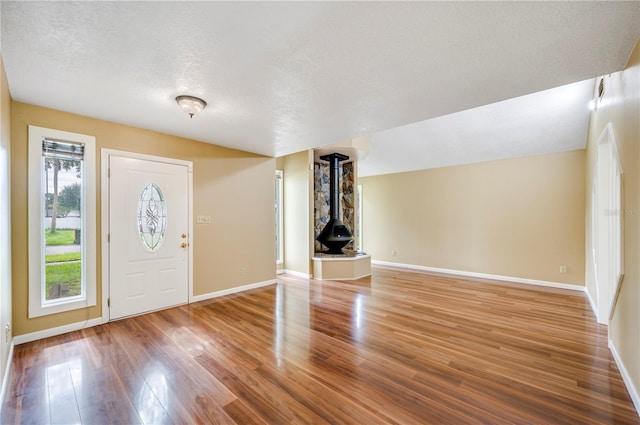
(235, 188)
(620, 106)
(5, 220)
(298, 242)
(519, 217)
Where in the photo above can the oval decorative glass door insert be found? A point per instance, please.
(152, 217)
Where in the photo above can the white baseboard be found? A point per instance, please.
(348, 278)
(298, 274)
(230, 291)
(633, 392)
(5, 378)
(34, 336)
(482, 275)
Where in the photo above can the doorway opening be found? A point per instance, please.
(607, 216)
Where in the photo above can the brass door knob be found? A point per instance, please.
(184, 235)
(184, 245)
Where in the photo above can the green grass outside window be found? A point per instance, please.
(60, 237)
(68, 274)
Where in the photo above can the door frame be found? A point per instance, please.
(607, 225)
(105, 156)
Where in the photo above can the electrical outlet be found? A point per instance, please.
(7, 332)
(393, 252)
(203, 219)
(563, 269)
(243, 270)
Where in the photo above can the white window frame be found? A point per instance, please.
(37, 305)
(279, 205)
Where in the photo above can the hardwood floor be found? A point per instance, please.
(401, 347)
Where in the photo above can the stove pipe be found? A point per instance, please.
(335, 234)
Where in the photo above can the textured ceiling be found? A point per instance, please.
(281, 77)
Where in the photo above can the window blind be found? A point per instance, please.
(62, 150)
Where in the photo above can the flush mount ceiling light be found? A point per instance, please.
(191, 104)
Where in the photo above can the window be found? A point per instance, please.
(62, 216)
(278, 211)
(151, 217)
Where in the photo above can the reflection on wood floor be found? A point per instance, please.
(400, 347)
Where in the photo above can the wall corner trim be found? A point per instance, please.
(559, 285)
(594, 309)
(223, 292)
(633, 392)
(34, 336)
(5, 379)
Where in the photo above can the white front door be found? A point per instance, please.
(148, 235)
